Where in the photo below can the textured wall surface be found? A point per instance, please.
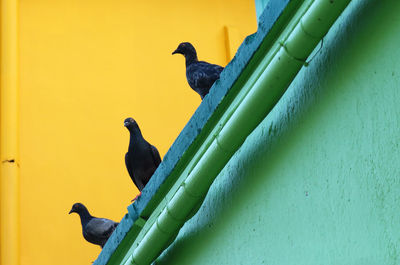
(318, 181)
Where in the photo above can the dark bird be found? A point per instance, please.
(200, 75)
(95, 230)
(142, 158)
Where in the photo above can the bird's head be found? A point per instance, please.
(130, 124)
(78, 208)
(185, 48)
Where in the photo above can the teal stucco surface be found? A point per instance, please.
(318, 181)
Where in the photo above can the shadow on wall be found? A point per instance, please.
(307, 90)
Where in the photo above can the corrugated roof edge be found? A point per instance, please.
(228, 77)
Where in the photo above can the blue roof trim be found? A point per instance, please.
(220, 89)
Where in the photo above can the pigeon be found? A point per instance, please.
(200, 75)
(142, 158)
(95, 230)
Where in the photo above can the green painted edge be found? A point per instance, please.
(161, 181)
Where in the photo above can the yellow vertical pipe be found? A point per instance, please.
(232, 41)
(9, 173)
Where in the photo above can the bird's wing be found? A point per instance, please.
(156, 155)
(206, 74)
(130, 169)
(100, 228)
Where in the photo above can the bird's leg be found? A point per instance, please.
(136, 197)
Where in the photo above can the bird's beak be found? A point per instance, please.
(126, 124)
(72, 210)
(176, 51)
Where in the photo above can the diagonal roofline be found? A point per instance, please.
(264, 65)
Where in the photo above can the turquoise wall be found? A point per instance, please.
(318, 182)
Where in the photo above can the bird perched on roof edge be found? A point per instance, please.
(142, 158)
(200, 75)
(95, 230)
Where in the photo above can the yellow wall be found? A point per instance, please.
(84, 66)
